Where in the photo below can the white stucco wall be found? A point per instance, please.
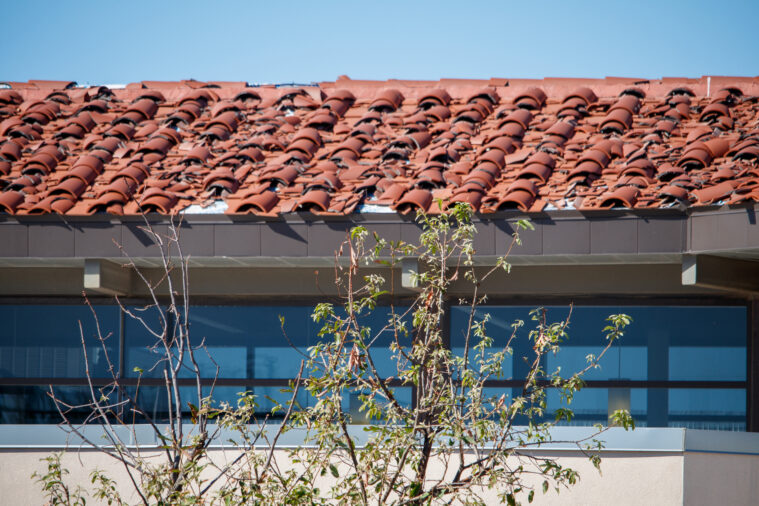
(627, 478)
(715, 478)
(631, 478)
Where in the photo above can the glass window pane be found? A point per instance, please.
(707, 363)
(45, 341)
(591, 405)
(382, 335)
(352, 403)
(140, 343)
(155, 401)
(715, 409)
(619, 362)
(31, 404)
(248, 341)
(245, 342)
(662, 343)
(499, 328)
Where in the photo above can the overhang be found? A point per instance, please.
(574, 244)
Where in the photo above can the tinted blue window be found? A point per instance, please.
(662, 343)
(45, 341)
(674, 343)
(499, 328)
(715, 409)
(591, 405)
(247, 341)
(31, 404)
(154, 400)
(382, 334)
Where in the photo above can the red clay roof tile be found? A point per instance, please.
(524, 144)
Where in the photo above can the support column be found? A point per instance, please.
(657, 409)
(752, 370)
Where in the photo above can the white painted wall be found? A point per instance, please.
(628, 478)
(716, 478)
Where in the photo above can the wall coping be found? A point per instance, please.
(646, 440)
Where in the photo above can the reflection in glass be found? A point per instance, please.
(499, 328)
(155, 402)
(706, 343)
(353, 404)
(708, 363)
(45, 341)
(249, 342)
(244, 342)
(591, 405)
(664, 343)
(31, 404)
(715, 409)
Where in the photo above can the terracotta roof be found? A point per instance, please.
(378, 146)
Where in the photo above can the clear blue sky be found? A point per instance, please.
(106, 42)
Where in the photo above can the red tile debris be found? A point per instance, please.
(350, 146)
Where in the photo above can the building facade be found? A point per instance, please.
(642, 195)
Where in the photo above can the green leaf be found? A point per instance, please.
(357, 231)
(138, 370)
(622, 418)
(333, 470)
(525, 224)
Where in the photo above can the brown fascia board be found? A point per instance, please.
(567, 236)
